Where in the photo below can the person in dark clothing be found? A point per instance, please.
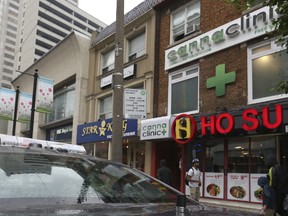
(278, 180)
(269, 203)
(164, 174)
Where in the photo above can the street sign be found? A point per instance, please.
(135, 103)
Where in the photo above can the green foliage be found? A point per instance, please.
(281, 24)
(282, 86)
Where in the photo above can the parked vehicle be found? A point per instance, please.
(52, 181)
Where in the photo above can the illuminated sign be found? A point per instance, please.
(102, 130)
(156, 128)
(247, 27)
(184, 131)
(183, 128)
(220, 80)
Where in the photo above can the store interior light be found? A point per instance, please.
(238, 147)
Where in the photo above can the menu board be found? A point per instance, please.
(214, 185)
(238, 186)
(256, 190)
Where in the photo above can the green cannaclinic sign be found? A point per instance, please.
(220, 80)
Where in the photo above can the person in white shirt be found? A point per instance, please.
(194, 179)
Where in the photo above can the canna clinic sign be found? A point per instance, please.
(184, 127)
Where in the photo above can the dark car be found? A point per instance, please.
(46, 181)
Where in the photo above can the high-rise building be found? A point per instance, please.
(10, 12)
(29, 29)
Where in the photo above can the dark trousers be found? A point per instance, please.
(279, 204)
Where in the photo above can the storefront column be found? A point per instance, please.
(148, 157)
(183, 169)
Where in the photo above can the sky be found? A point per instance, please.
(105, 10)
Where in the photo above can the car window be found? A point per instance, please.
(76, 180)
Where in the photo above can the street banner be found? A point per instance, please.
(24, 107)
(7, 103)
(44, 95)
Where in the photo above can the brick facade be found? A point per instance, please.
(235, 59)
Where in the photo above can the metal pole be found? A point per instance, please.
(117, 85)
(15, 111)
(33, 103)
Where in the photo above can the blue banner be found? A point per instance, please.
(102, 130)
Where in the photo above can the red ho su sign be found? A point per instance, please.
(214, 123)
(250, 121)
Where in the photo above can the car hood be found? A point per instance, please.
(117, 210)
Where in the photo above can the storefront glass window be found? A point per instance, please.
(134, 154)
(99, 149)
(215, 156)
(238, 155)
(261, 149)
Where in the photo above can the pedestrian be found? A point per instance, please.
(194, 179)
(278, 180)
(164, 174)
(269, 202)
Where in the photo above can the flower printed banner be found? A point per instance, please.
(7, 103)
(44, 96)
(24, 107)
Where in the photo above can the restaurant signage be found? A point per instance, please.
(184, 127)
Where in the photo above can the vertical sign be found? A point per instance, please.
(135, 103)
(7, 103)
(24, 107)
(44, 100)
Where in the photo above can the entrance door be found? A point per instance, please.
(171, 153)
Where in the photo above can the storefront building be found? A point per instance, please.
(67, 66)
(221, 69)
(138, 80)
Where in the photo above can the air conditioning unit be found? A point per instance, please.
(194, 27)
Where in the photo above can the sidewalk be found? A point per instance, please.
(243, 206)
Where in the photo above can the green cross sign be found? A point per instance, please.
(220, 80)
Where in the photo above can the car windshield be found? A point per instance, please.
(35, 175)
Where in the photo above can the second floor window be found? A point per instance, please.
(185, 21)
(184, 91)
(267, 66)
(136, 46)
(105, 108)
(108, 60)
(63, 103)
